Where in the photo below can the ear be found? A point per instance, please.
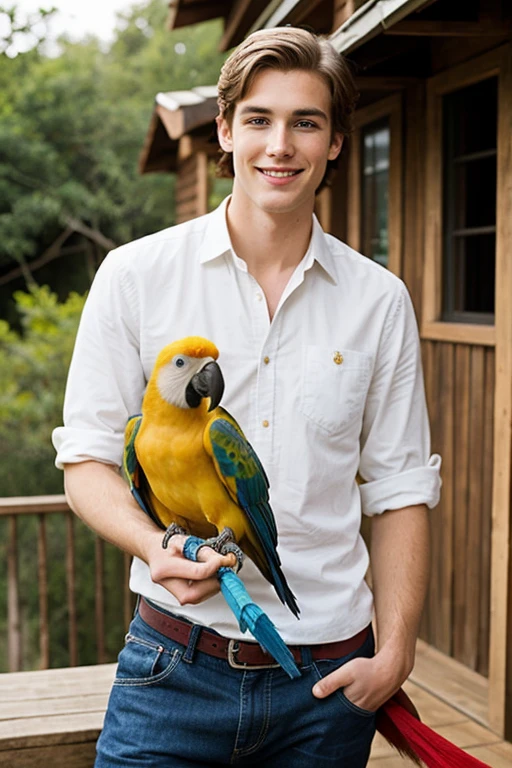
(224, 134)
(336, 145)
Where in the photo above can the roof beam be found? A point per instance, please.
(181, 15)
(241, 16)
(426, 28)
(385, 83)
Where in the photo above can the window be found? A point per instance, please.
(469, 215)
(375, 141)
(374, 188)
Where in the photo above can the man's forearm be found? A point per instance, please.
(101, 498)
(400, 568)
(98, 494)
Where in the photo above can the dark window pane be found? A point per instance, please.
(474, 208)
(469, 222)
(473, 117)
(374, 190)
(474, 267)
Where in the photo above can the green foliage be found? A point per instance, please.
(72, 128)
(33, 368)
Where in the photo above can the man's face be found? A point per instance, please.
(281, 139)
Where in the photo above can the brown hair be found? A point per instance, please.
(285, 49)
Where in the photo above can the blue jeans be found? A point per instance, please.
(175, 706)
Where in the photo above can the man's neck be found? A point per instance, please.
(267, 242)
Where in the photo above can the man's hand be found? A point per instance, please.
(367, 683)
(189, 582)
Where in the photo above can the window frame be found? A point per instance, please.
(391, 108)
(491, 64)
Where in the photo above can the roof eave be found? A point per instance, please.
(369, 20)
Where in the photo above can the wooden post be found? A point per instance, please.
(70, 579)
(500, 656)
(100, 599)
(44, 632)
(13, 600)
(202, 183)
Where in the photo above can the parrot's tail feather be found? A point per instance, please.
(421, 742)
(250, 616)
(266, 634)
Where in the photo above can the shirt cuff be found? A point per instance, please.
(75, 445)
(421, 485)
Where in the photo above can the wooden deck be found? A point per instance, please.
(53, 717)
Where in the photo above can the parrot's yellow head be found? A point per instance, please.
(185, 372)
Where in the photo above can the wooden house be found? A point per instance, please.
(179, 140)
(425, 188)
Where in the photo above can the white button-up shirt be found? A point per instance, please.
(332, 386)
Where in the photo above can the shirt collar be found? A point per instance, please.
(216, 242)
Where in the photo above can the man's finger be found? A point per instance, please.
(187, 593)
(338, 679)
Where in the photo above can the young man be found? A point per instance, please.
(320, 354)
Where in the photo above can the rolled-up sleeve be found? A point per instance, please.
(395, 460)
(106, 379)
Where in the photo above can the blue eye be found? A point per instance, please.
(179, 362)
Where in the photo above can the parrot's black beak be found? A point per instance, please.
(207, 383)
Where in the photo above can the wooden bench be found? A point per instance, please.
(53, 717)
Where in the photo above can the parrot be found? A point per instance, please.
(193, 471)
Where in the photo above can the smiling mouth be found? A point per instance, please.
(279, 174)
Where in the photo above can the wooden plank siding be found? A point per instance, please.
(459, 382)
(192, 187)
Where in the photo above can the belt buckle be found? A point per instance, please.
(233, 648)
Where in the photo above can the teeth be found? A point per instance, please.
(279, 174)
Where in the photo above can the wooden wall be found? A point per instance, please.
(459, 380)
(192, 187)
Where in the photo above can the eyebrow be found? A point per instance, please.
(305, 112)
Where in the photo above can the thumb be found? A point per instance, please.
(340, 678)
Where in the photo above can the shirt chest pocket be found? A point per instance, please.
(334, 384)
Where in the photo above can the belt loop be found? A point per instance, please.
(306, 657)
(195, 631)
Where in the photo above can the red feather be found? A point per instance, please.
(398, 722)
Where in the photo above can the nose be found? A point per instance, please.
(280, 142)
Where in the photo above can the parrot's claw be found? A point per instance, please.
(225, 544)
(234, 549)
(172, 530)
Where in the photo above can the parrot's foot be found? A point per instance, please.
(234, 549)
(225, 544)
(172, 530)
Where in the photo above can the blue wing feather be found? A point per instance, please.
(236, 459)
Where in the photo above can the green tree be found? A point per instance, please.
(71, 131)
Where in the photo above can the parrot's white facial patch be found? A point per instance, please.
(174, 378)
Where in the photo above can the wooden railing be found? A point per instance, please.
(41, 507)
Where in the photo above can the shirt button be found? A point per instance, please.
(265, 423)
(259, 296)
(266, 360)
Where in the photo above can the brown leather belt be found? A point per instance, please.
(238, 653)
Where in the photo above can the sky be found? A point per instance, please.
(77, 17)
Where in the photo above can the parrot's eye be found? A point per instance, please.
(179, 362)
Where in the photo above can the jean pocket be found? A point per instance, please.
(325, 667)
(334, 385)
(142, 662)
